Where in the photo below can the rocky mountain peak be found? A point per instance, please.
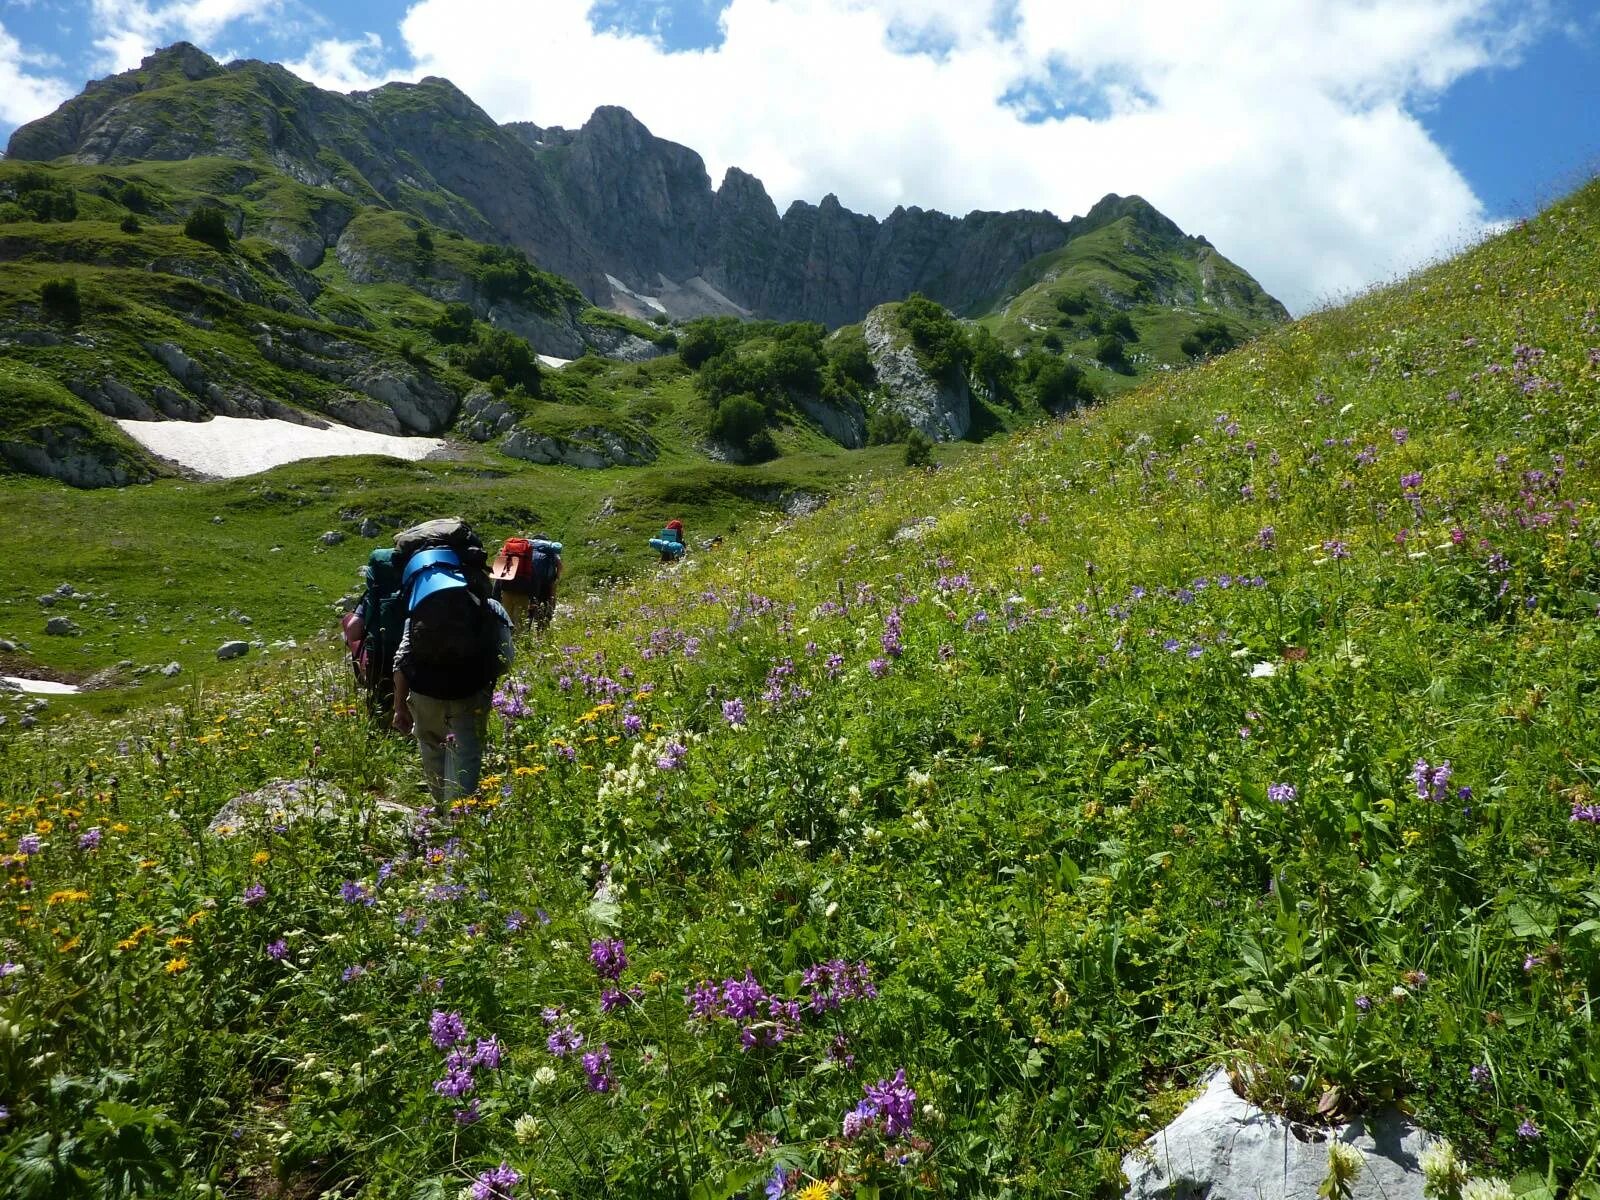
(606, 204)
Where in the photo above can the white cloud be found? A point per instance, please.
(24, 92)
(356, 65)
(1285, 132)
(125, 31)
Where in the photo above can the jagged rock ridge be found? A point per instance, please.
(631, 218)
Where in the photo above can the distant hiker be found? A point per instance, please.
(455, 642)
(524, 574)
(670, 542)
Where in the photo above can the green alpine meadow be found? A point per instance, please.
(936, 842)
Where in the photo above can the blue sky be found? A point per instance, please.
(1324, 144)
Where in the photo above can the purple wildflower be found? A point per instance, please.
(278, 950)
(878, 667)
(1529, 1130)
(564, 1041)
(1336, 549)
(672, 756)
(28, 844)
(1411, 482)
(702, 1000)
(1282, 793)
(776, 1184)
(353, 971)
(733, 712)
(1480, 1074)
(1364, 1004)
(609, 956)
(352, 892)
(446, 1028)
(90, 840)
(632, 724)
(597, 1067)
(496, 1183)
(253, 895)
(515, 920)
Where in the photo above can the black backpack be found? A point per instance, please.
(454, 644)
(546, 564)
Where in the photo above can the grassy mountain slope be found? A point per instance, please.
(1249, 718)
(1126, 259)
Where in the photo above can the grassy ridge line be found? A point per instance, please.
(993, 731)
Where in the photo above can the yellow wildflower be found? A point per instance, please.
(177, 940)
(196, 917)
(119, 827)
(69, 896)
(43, 825)
(146, 863)
(260, 858)
(69, 945)
(815, 1190)
(176, 965)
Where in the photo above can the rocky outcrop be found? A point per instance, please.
(72, 455)
(414, 401)
(845, 423)
(484, 417)
(1225, 1148)
(940, 408)
(590, 447)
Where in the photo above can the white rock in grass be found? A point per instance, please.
(1224, 1148)
(234, 649)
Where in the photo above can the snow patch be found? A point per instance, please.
(230, 447)
(41, 687)
(550, 360)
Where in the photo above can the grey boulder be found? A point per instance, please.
(1223, 1147)
(233, 649)
(61, 627)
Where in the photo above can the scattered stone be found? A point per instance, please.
(67, 590)
(216, 520)
(286, 644)
(1225, 1148)
(28, 720)
(48, 599)
(61, 627)
(370, 528)
(244, 620)
(7, 646)
(284, 801)
(332, 538)
(172, 669)
(233, 649)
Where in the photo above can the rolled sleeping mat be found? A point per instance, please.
(668, 547)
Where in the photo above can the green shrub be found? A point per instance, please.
(886, 427)
(60, 299)
(425, 241)
(499, 354)
(849, 362)
(940, 343)
(1052, 341)
(704, 338)
(1109, 350)
(1073, 304)
(1058, 386)
(130, 224)
(993, 366)
(919, 449)
(1121, 324)
(133, 198)
(737, 420)
(1209, 338)
(208, 225)
(453, 326)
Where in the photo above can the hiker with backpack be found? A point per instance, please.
(524, 574)
(455, 642)
(670, 542)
